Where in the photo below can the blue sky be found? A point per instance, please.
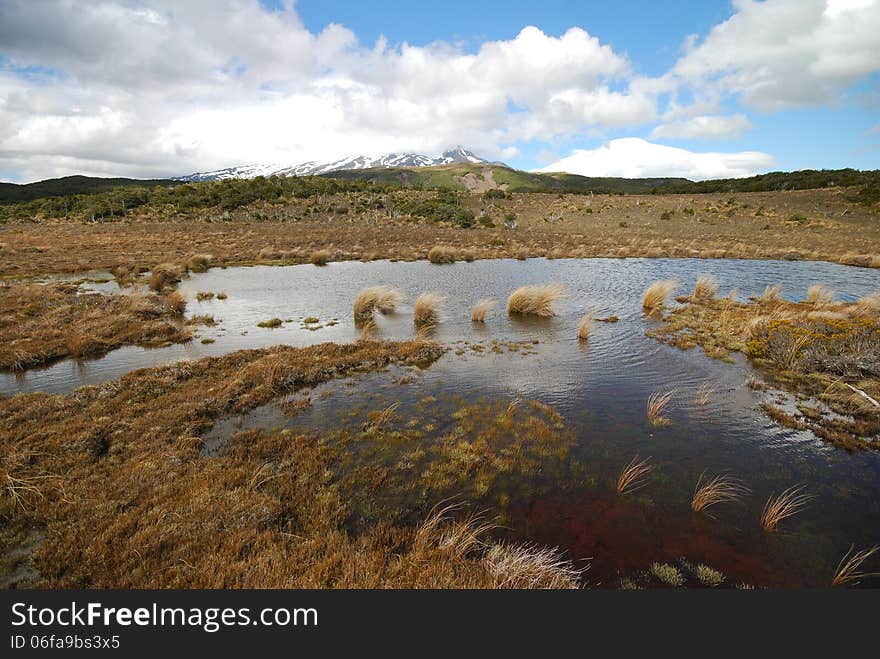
(699, 89)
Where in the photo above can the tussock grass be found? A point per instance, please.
(705, 289)
(426, 310)
(585, 326)
(772, 293)
(440, 254)
(481, 309)
(657, 294)
(199, 262)
(44, 323)
(383, 299)
(634, 476)
(657, 404)
(320, 257)
(668, 575)
(705, 393)
(868, 305)
(708, 576)
(849, 568)
(718, 489)
(165, 275)
(535, 300)
(530, 566)
(820, 295)
(782, 506)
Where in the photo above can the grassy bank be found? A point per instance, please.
(826, 353)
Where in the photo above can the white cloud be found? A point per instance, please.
(713, 127)
(159, 87)
(632, 157)
(784, 53)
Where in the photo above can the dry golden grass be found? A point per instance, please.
(715, 490)
(320, 257)
(705, 393)
(426, 310)
(440, 254)
(199, 262)
(43, 323)
(149, 236)
(849, 568)
(817, 353)
(481, 309)
(820, 296)
(383, 299)
(705, 289)
(657, 404)
(164, 275)
(867, 306)
(786, 504)
(535, 300)
(634, 476)
(772, 293)
(530, 566)
(657, 294)
(269, 510)
(585, 326)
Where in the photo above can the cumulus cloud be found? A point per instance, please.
(704, 127)
(632, 157)
(159, 87)
(784, 53)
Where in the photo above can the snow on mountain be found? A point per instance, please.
(458, 154)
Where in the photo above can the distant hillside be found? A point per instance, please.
(12, 193)
(482, 177)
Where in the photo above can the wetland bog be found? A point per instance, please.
(514, 418)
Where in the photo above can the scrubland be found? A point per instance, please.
(807, 224)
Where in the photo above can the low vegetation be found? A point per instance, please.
(382, 299)
(823, 351)
(783, 505)
(481, 309)
(657, 294)
(41, 323)
(634, 476)
(535, 300)
(426, 310)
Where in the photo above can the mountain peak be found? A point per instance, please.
(459, 154)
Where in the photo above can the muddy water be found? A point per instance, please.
(600, 387)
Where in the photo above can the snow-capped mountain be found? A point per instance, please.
(458, 154)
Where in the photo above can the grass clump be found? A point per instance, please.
(849, 568)
(819, 295)
(634, 476)
(199, 262)
(320, 257)
(708, 576)
(271, 323)
(481, 309)
(657, 404)
(426, 310)
(782, 506)
(668, 575)
(585, 326)
(383, 299)
(657, 294)
(715, 490)
(705, 289)
(535, 300)
(440, 254)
